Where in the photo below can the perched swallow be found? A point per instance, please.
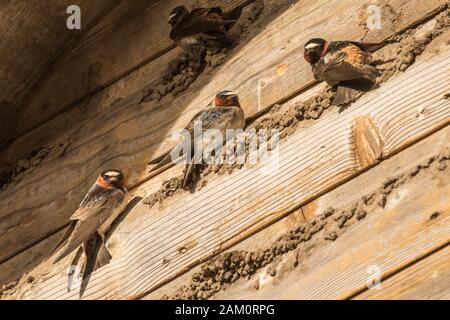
(202, 28)
(98, 210)
(223, 113)
(344, 64)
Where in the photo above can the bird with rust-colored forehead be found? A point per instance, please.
(224, 112)
(88, 225)
(203, 28)
(343, 64)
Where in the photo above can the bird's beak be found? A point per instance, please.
(112, 180)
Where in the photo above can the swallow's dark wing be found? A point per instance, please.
(228, 19)
(207, 117)
(97, 255)
(94, 198)
(348, 63)
(65, 237)
(167, 159)
(203, 20)
(370, 46)
(89, 217)
(210, 117)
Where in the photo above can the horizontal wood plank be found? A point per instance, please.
(312, 162)
(25, 261)
(386, 241)
(27, 56)
(127, 135)
(341, 198)
(428, 279)
(131, 35)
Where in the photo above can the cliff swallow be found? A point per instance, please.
(98, 210)
(203, 28)
(344, 64)
(224, 112)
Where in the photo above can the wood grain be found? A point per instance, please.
(312, 161)
(32, 35)
(128, 135)
(389, 240)
(343, 197)
(131, 35)
(428, 279)
(12, 269)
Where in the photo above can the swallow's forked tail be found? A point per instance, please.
(246, 3)
(97, 255)
(348, 91)
(188, 174)
(372, 47)
(160, 163)
(232, 16)
(103, 257)
(163, 162)
(345, 95)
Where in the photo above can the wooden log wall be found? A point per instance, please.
(131, 36)
(339, 269)
(401, 234)
(108, 128)
(61, 129)
(31, 39)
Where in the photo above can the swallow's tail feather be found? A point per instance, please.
(97, 255)
(246, 3)
(103, 257)
(82, 232)
(372, 47)
(345, 95)
(348, 91)
(90, 251)
(231, 17)
(188, 173)
(159, 159)
(166, 160)
(161, 163)
(371, 72)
